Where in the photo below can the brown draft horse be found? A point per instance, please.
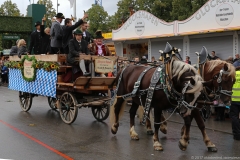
(182, 74)
(219, 77)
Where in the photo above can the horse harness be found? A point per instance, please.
(159, 75)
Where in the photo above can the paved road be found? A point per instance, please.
(40, 134)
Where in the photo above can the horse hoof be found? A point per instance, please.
(163, 130)
(150, 132)
(135, 138)
(114, 130)
(212, 149)
(183, 148)
(158, 148)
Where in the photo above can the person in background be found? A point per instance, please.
(22, 48)
(235, 105)
(56, 34)
(136, 60)
(4, 74)
(14, 49)
(213, 56)
(229, 60)
(86, 35)
(236, 58)
(188, 60)
(36, 40)
(68, 29)
(46, 39)
(153, 59)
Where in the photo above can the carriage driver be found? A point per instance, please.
(78, 46)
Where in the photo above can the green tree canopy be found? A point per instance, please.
(182, 9)
(50, 11)
(9, 9)
(98, 18)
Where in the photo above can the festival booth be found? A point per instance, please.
(215, 25)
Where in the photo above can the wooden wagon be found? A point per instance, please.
(67, 97)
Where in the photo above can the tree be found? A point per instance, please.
(50, 11)
(98, 18)
(122, 13)
(182, 9)
(9, 9)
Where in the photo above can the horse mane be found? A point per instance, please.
(218, 64)
(179, 67)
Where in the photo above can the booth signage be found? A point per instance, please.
(103, 65)
(139, 27)
(11, 37)
(224, 14)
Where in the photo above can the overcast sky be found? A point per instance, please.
(109, 5)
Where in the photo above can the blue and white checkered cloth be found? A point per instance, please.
(44, 84)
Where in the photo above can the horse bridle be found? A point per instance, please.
(219, 81)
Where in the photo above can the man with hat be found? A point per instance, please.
(78, 46)
(67, 31)
(36, 40)
(99, 48)
(56, 34)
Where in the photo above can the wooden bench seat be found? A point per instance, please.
(65, 84)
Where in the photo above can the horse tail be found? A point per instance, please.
(140, 112)
(118, 101)
(112, 110)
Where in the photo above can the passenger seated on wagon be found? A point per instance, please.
(98, 47)
(78, 46)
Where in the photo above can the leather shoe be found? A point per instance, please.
(87, 74)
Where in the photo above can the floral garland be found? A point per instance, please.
(47, 66)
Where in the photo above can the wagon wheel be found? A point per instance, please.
(101, 113)
(25, 100)
(52, 103)
(68, 110)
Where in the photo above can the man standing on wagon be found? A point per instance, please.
(56, 34)
(67, 31)
(36, 40)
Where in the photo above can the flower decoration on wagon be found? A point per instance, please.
(29, 66)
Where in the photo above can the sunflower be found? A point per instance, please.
(19, 65)
(37, 66)
(53, 66)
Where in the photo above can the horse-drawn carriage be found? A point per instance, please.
(44, 74)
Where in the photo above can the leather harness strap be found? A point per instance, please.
(154, 80)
